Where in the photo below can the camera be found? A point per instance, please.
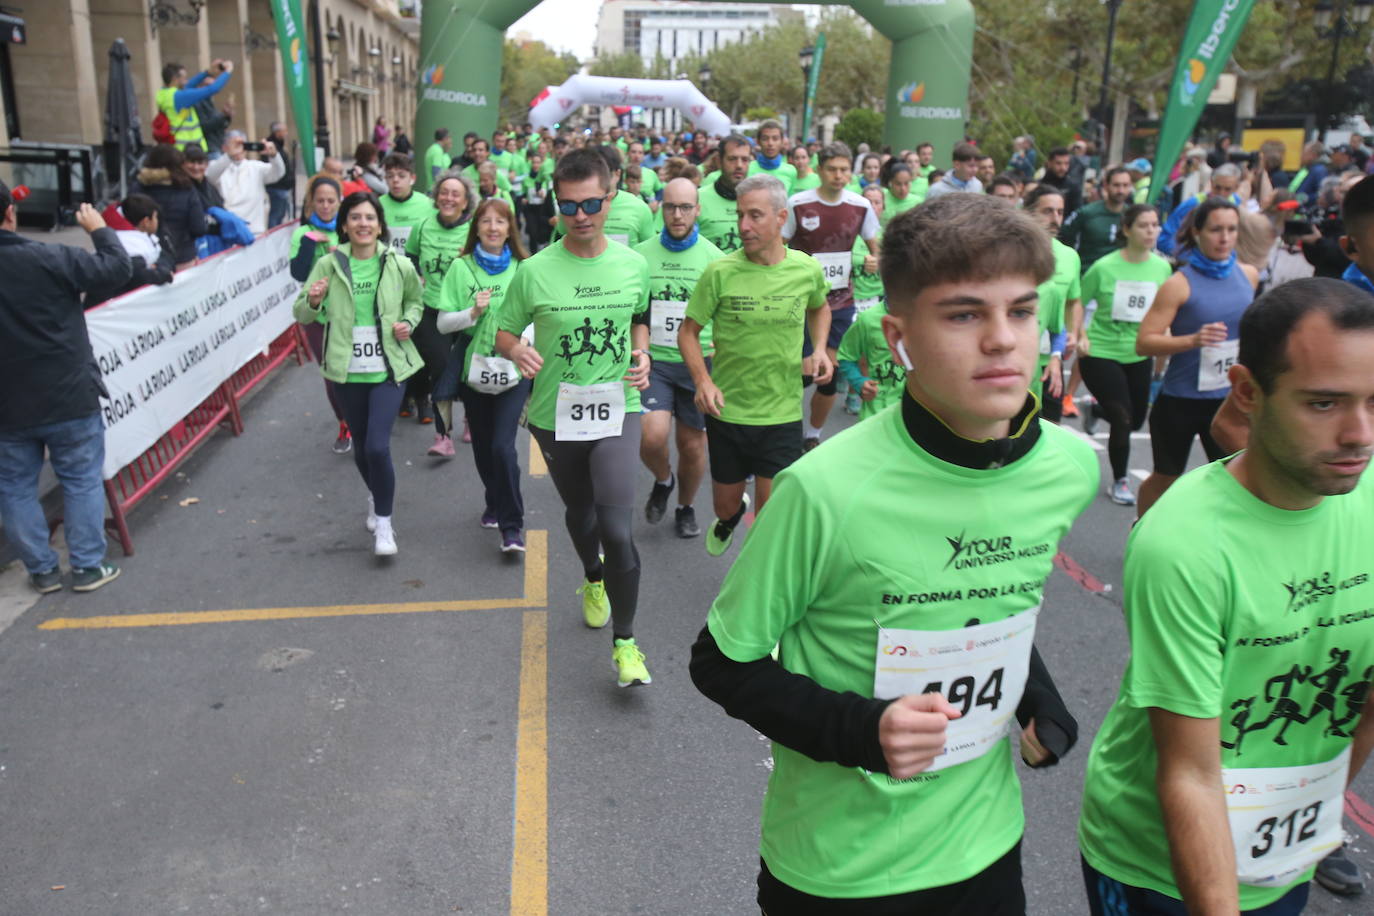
(252, 146)
(1242, 158)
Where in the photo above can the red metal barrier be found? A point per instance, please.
(141, 476)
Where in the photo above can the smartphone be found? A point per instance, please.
(252, 146)
(1297, 228)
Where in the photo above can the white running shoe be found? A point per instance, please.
(384, 540)
(371, 514)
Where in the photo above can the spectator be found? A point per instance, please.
(1307, 180)
(222, 228)
(1271, 159)
(365, 175)
(333, 167)
(50, 396)
(214, 121)
(177, 103)
(1359, 152)
(281, 194)
(1322, 244)
(1064, 171)
(244, 181)
(164, 179)
(1023, 157)
(1220, 153)
(381, 138)
(402, 144)
(135, 223)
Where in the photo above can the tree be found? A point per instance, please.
(860, 125)
(626, 65)
(526, 70)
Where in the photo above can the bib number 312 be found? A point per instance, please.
(1284, 819)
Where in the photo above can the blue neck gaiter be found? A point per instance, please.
(493, 264)
(1204, 265)
(673, 244)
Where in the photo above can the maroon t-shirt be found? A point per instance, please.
(827, 232)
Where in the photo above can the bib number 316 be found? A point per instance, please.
(585, 413)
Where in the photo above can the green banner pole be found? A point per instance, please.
(812, 81)
(1208, 42)
(295, 64)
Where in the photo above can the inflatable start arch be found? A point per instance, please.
(927, 84)
(606, 90)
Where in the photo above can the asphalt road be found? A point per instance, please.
(433, 734)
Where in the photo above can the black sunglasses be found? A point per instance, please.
(591, 206)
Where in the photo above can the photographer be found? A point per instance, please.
(1321, 232)
(244, 181)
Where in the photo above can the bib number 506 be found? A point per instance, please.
(364, 349)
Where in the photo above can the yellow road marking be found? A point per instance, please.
(537, 466)
(529, 874)
(536, 596)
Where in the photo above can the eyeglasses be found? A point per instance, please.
(678, 208)
(591, 206)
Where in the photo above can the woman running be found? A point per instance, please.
(1195, 321)
(1123, 284)
(491, 387)
(369, 301)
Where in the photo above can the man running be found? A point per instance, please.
(719, 220)
(1218, 779)
(962, 176)
(584, 412)
(1061, 302)
(757, 300)
(904, 597)
(1094, 230)
(676, 259)
(825, 222)
(402, 207)
(771, 159)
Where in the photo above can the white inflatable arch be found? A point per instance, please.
(606, 90)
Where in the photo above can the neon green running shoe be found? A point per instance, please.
(629, 664)
(596, 607)
(719, 535)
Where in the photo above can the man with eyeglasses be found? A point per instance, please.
(676, 257)
(587, 298)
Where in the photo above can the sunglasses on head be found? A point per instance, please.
(591, 206)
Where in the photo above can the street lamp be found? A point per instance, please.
(1334, 25)
(1104, 115)
(321, 38)
(704, 75)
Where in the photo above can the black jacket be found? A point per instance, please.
(47, 371)
(180, 211)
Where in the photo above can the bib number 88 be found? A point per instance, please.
(588, 412)
(1285, 826)
(965, 689)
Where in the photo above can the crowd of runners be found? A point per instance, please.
(878, 623)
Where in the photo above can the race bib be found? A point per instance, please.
(1284, 819)
(665, 317)
(621, 237)
(1214, 364)
(863, 305)
(585, 413)
(492, 374)
(367, 351)
(1131, 300)
(981, 670)
(399, 235)
(836, 266)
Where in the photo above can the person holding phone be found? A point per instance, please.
(242, 181)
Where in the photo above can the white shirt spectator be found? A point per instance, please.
(243, 182)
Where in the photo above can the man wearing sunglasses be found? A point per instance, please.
(630, 220)
(587, 298)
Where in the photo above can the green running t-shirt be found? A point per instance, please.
(502, 182)
(365, 274)
(461, 285)
(402, 216)
(672, 277)
(894, 205)
(759, 314)
(437, 160)
(1061, 287)
(873, 528)
(807, 182)
(786, 172)
(866, 285)
(436, 246)
(1122, 289)
(1243, 612)
(581, 309)
(719, 219)
(864, 343)
(331, 240)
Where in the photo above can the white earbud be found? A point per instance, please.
(902, 355)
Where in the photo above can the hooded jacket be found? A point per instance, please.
(181, 214)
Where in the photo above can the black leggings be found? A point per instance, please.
(370, 409)
(1123, 400)
(596, 481)
(433, 346)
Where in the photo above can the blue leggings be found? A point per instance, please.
(1109, 897)
(370, 410)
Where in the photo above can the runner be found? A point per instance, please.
(807, 177)
(315, 237)
(432, 247)
(492, 389)
(1122, 285)
(866, 811)
(1061, 304)
(629, 220)
(925, 158)
(370, 298)
(651, 185)
(759, 301)
(825, 223)
(437, 158)
(481, 152)
(961, 176)
(402, 207)
(1193, 321)
(719, 220)
(771, 159)
(1219, 775)
(582, 294)
(676, 259)
(902, 193)
(864, 358)
(1092, 230)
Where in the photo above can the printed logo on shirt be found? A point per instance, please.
(673, 292)
(588, 292)
(1304, 697)
(811, 223)
(592, 341)
(972, 553)
(1305, 591)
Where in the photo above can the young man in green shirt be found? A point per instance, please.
(481, 152)
(676, 257)
(437, 158)
(1218, 778)
(404, 209)
(719, 220)
(758, 301)
(771, 159)
(587, 298)
(1061, 303)
(904, 602)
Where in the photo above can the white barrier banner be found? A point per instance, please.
(164, 349)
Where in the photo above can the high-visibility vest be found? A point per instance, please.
(185, 123)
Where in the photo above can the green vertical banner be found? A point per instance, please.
(813, 80)
(295, 65)
(1212, 33)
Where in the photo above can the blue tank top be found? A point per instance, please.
(1208, 301)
